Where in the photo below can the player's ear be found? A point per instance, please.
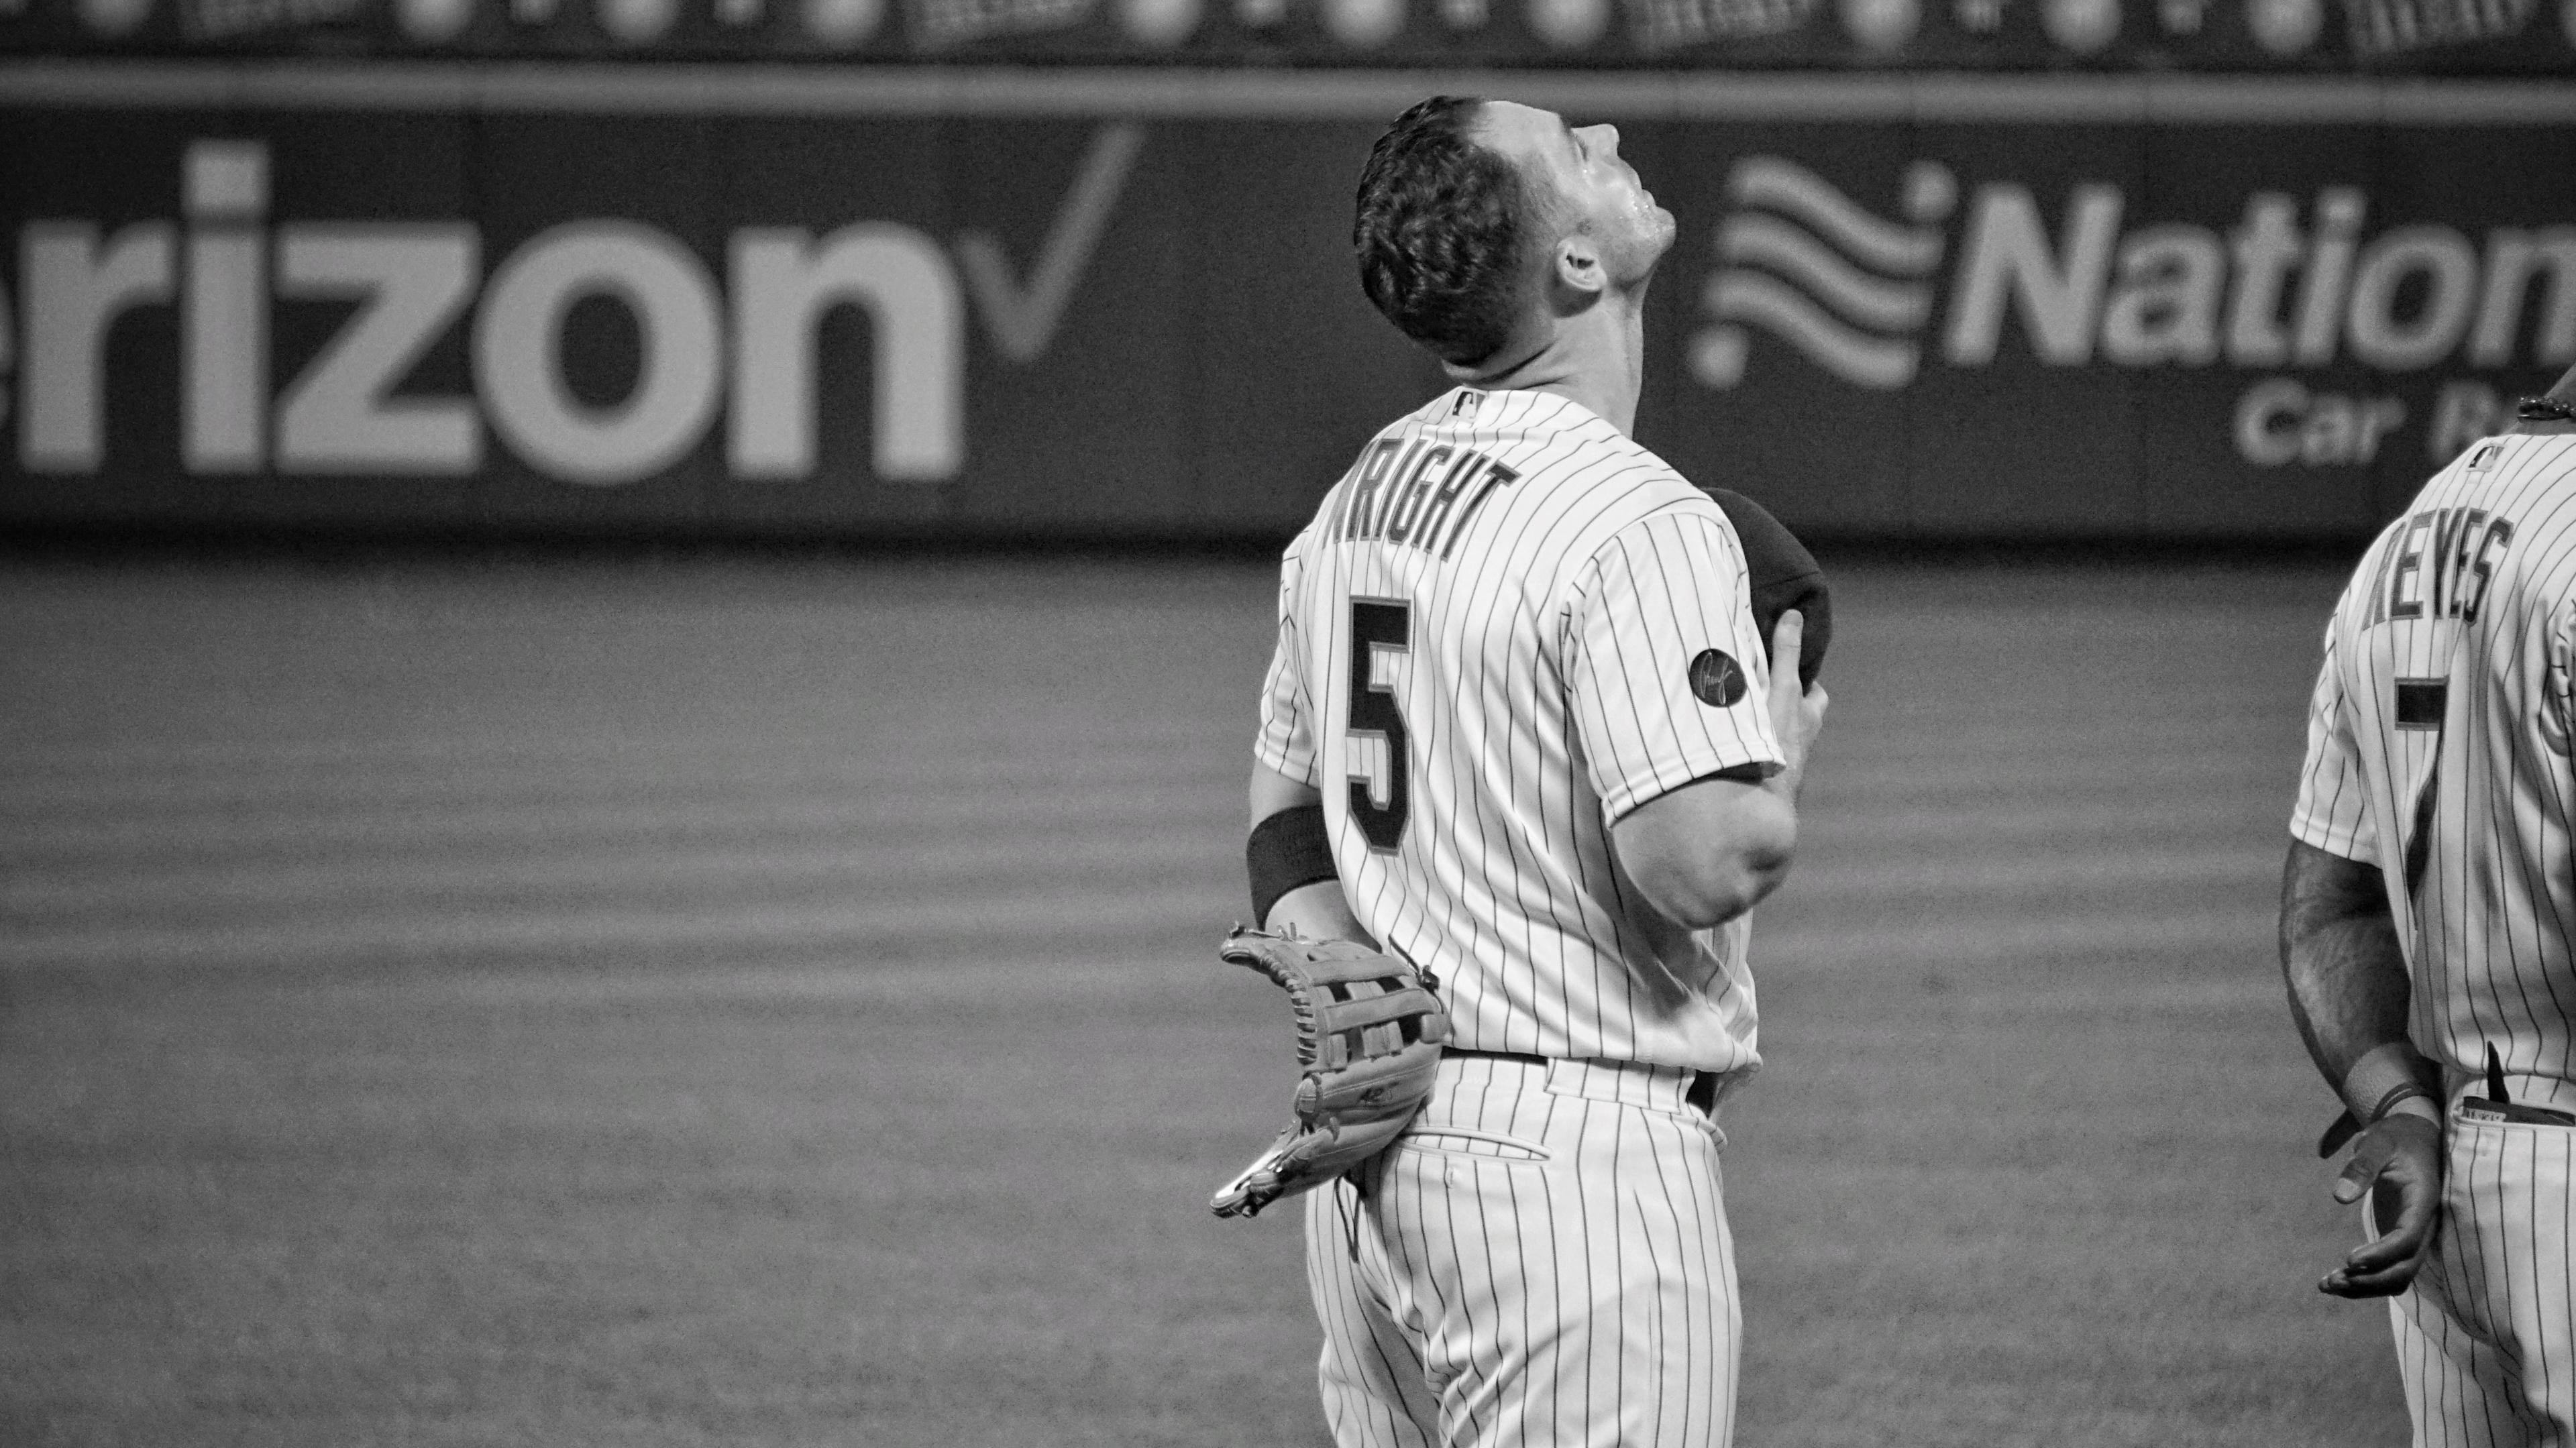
(1575, 267)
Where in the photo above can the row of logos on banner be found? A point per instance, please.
(2457, 36)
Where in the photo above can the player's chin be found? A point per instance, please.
(1660, 229)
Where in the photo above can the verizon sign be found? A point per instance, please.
(701, 343)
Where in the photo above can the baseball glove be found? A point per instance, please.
(1368, 1035)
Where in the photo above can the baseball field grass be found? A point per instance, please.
(772, 1001)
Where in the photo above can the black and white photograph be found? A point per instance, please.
(1288, 723)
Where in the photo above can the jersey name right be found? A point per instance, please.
(1424, 497)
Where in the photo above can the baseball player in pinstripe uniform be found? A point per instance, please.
(1519, 696)
(2428, 930)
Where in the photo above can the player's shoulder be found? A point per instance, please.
(1656, 522)
(1589, 489)
(1548, 423)
(2508, 471)
(1568, 452)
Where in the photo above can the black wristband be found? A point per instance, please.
(1287, 851)
(2388, 1100)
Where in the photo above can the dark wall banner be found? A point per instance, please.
(718, 300)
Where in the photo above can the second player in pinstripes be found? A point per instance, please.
(1519, 694)
(2428, 930)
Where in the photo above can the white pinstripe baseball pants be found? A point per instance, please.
(2486, 1338)
(1543, 1259)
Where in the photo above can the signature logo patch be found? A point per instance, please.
(1716, 679)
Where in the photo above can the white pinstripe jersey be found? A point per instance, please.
(2439, 750)
(1508, 625)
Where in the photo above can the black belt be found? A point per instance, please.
(1702, 1092)
(2498, 1104)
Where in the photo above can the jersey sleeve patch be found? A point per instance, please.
(1716, 679)
(1667, 682)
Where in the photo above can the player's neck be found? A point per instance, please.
(1596, 357)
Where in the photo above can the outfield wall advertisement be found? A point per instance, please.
(570, 300)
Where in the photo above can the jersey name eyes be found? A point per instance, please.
(2440, 566)
(1421, 494)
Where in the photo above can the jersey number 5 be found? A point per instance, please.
(1379, 625)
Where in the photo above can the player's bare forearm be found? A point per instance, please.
(2346, 974)
(2340, 959)
(1710, 850)
(1317, 909)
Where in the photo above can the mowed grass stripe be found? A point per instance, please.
(1990, 821)
(474, 821)
(1861, 880)
(2222, 935)
(962, 916)
(739, 856)
(511, 746)
(1005, 971)
(763, 860)
(676, 777)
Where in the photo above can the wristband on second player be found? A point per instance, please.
(2387, 1076)
(2417, 1104)
(2408, 1102)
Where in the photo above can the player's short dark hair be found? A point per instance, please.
(1443, 231)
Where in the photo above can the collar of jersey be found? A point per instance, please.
(1558, 402)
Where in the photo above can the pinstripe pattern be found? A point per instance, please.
(1488, 1281)
(2485, 1340)
(2439, 749)
(2489, 931)
(1546, 688)
(1488, 641)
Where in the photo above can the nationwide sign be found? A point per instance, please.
(1123, 304)
(2292, 286)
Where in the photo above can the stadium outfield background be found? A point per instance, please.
(554, 268)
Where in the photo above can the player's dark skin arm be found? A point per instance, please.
(2349, 993)
(1712, 849)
